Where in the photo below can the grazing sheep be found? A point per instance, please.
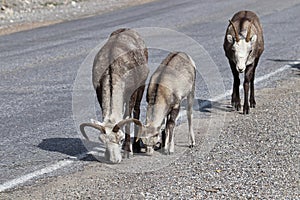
(119, 75)
(172, 81)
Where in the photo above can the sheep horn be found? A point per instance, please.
(248, 32)
(125, 121)
(93, 125)
(235, 31)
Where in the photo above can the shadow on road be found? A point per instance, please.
(205, 106)
(283, 60)
(295, 64)
(70, 147)
(76, 147)
(297, 67)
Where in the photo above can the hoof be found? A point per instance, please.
(168, 152)
(246, 112)
(149, 151)
(246, 109)
(127, 154)
(236, 105)
(126, 146)
(158, 146)
(252, 105)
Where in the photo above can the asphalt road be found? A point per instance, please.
(38, 69)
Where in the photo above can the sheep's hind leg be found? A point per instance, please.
(169, 146)
(190, 102)
(252, 97)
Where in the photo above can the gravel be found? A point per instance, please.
(256, 157)
(18, 15)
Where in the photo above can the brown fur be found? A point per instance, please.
(242, 20)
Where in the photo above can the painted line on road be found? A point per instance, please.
(257, 80)
(264, 77)
(27, 177)
(63, 163)
(15, 182)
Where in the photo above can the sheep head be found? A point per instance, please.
(112, 137)
(242, 47)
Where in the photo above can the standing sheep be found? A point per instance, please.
(243, 46)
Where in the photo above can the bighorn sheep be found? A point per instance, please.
(243, 46)
(119, 75)
(172, 81)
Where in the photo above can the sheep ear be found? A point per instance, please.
(142, 133)
(229, 39)
(253, 38)
(95, 122)
(103, 138)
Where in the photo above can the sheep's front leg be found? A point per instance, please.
(235, 98)
(248, 79)
(127, 146)
(169, 145)
(136, 114)
(246, 104)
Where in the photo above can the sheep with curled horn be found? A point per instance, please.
(243, 46)
(119, 74)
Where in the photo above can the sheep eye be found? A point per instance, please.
(121, 141)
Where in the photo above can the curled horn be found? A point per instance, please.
(235, 31)
(96, 126)
(125, 121)
(248, 32)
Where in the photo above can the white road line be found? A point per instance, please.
(15, 182)
(264, 77)
(257, 80)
